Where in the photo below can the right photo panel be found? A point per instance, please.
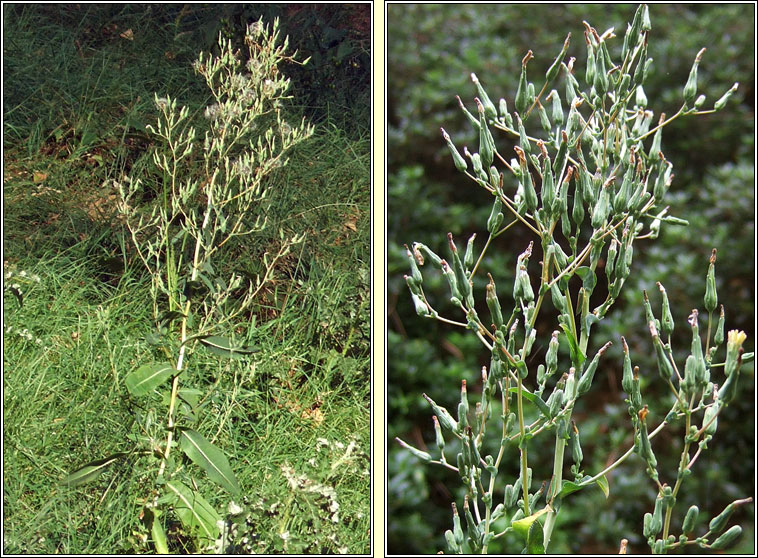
(570, 278)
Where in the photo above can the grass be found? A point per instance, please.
(295, 419)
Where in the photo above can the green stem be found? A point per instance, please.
(522, 448)
(547, 530)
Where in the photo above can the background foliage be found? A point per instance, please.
(432, 51)
(78, 89)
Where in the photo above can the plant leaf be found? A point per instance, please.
(589, 280)
(224, 347)
(531, 531)
(150, 520)
(577, 356)
(195, 513)
(91, 470)
(541, 405)
(535, 542)
(602, 482)
(569, 486)
(209, 458)
(146, 378)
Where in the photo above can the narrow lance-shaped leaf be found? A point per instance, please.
(209, 458)
(91, 470)
(148, 377)
(195, 513)
(225, 347)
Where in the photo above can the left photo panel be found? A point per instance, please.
(187, 278)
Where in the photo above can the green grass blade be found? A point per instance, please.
(211, 459)
(146, 378)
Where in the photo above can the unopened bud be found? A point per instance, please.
(690, 89)
(460, 162)
(718, 105)
(489, 108)
(711, 299)
(424, 456)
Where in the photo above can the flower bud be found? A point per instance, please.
(489, 108)
(544, 120)
(555, 401)
(422, 250)
(486, 142)
(548, 187)
(468, 258)
(522, 100)
(522, 288)
(603, 206)
(690, 89)
(576, 448)
(711, 299)
(530, 194)
(551, 358)
(688, 525)
(718, 337)
(493, 303)
(496, 216)
(586, 380)
(635, 397)
(471, 118)
(463, 407)
(645, 450)
(552, 72)
(452, 545)
(734, 342)
(610, 261)
(557, 110)
(621, 199)
(560, 157)
(449, 274)
(627, 380)
(601, 76)
(727, 538)
(665, 370)
(462, 281)
(662, 181)
(424, 456)
(446, 420)
(571, 85)
(640, 99)
(502, 109)
(460, 162)
(718, 105)
(415, 273)
(667, 321)
(718, 523)
(710, 417)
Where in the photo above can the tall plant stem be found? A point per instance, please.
(683, 464)
(183, 348)
(560, 447)
(522, 448)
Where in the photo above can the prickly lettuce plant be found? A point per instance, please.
(589, 180)
(211, 195)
